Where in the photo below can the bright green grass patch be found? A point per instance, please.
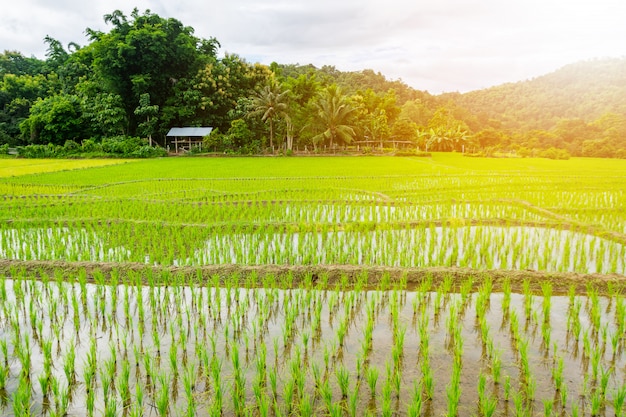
(555, 216)
(18, 167)
(439, 164)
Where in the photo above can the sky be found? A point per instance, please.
(435, 45)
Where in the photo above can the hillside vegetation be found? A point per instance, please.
(585, 90)
(120, 94)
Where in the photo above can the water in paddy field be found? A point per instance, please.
(59, 243)
(478, 247)
(241, 349)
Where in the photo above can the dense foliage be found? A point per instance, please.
(148, 74)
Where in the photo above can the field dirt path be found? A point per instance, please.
(346, 275)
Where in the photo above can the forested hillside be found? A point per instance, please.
(122, 92)
(585, 90)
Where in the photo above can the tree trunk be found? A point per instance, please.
(289, 136)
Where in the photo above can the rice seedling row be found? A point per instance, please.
(151, 342)
(125, 345)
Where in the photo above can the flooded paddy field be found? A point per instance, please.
(253, 348)
(315, 286)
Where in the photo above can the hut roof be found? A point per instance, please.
(197, 132)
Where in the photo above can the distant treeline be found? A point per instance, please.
(148, 74)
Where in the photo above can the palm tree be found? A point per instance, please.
(270, 103)
(333, 113)
(447, 139)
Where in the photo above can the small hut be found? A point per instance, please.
(185, 138)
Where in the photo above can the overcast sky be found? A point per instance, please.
(434, 45)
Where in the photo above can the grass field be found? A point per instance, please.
(315, 286)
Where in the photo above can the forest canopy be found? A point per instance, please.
(149, 73)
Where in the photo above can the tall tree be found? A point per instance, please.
(13, 62)
(332, 115)
(150, 112)
(106, 113)
(446, 133)
(270, 103)
(146, 54)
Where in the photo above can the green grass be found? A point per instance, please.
(440, 163)
(13, 167)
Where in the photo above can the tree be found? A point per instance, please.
(270, 103)
(106, 113)
(377, 127)
(13, 62)
(17, 94)
(375, 113)
(210, 97)
(55, 120)
(488, 137)
(146, 54)
(146, 127)
(445, 133)
(404, 129)
(333, 117)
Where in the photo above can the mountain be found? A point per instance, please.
(584, 90)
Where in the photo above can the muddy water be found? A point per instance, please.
(300, 333)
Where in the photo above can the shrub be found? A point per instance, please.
(91, 146)
(411, 152)
(70, 147)
(119, 146)
(554, 153)
(148, 151)
(40, 151)
(122, 145)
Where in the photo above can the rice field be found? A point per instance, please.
(16, 167)
(140, 325)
